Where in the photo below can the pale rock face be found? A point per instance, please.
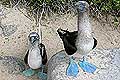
(34, 58)
(107, 62)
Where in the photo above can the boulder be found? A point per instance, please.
(107, 62)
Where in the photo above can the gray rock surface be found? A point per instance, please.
(107, 62)
(8, 30)
(11, 69)
(11, 65)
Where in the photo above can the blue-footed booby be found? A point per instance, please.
(80, 41)
(85, 41)
(36, 56)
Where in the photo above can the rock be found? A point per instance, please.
(11, 65)
(107, 62)
(11, 68)
(8, 30)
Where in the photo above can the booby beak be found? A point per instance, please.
(82, 7)
(32, 39)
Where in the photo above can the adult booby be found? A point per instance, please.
(81, 41)
(85, 41)
(36, 55)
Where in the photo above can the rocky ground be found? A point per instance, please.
(107, 62)
(14, 31)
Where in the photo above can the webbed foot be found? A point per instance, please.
(42, 76)
(72, 69)
(87, 67)
(28, 72)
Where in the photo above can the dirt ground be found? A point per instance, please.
(15, 28)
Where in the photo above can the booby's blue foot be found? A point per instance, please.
(87, 67)
(72, 69)
(42, 76)
(28, 72)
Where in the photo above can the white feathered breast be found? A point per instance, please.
(34, 58)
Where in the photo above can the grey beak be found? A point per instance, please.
(80, 6)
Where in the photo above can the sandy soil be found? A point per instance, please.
(15, 28)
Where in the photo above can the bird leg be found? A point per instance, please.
(42, 68)
(41, 74)
(76, 55)
(84, 57)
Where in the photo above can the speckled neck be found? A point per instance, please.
(84, 42)
(83, 22)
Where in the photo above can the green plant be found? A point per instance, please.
(41, 8)
(61, 6)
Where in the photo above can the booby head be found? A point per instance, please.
(33, 37)
(82, 6)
